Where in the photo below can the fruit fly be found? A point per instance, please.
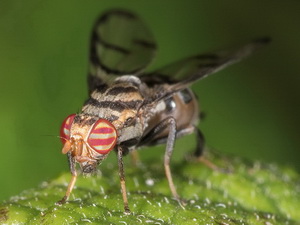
(129, 108)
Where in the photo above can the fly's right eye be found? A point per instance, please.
(103, 137)
(65, 128)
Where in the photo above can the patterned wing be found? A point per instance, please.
(121, 44)
(183, 73)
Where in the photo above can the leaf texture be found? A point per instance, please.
(251, 193)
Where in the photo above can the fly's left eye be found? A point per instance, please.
(102, 137)
(65, 128)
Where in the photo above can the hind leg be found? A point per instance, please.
(200, 143)
(135, 158)
(200, 149)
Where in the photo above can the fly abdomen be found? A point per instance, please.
(182, 106)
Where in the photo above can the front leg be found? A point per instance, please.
(72, 182)
(122, 179)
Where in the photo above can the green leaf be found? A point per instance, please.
(252, 193)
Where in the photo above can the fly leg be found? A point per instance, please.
(122, 179)
(200, 143)
(199, 152)
(169, 122)
(168, 154)
(72, 182)
(135, 158)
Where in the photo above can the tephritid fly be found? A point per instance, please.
(127, 108)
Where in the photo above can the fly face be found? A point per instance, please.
(128, 108)
(87, 140)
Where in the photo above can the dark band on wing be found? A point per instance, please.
(131, 55)
(145, 44)
(120, 13)
(95, 60)
(206, 56)
(208, 65)
(96, 38)
(114, 105)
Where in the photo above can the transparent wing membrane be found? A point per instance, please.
(181, 74)
(121, 44)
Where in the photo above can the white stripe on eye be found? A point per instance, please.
(102, 147)
(101, 136)
(66, 131)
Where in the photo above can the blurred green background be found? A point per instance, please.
(252, 107)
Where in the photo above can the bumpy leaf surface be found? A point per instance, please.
(251, 193)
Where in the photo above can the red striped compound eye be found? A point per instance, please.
(103, 137)
(65, 128)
